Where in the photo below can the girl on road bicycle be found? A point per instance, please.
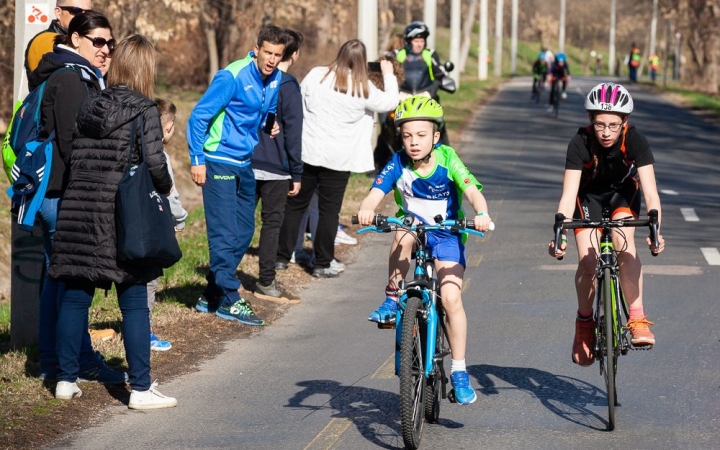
(429, 179)
(607, 162)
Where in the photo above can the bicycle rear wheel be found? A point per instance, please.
(556, 103)
(412, 376)
(610, 355)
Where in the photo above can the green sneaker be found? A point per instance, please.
(240, 311)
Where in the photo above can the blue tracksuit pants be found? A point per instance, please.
(229, 201)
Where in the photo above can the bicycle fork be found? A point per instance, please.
(429, 319)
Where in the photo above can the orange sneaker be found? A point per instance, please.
(640, 331)
(582, 351)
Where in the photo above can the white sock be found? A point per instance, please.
(457, 365)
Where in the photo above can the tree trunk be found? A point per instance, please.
(467, 35)
(700, 30)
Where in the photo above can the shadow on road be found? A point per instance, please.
(375, 413)
(565, 396)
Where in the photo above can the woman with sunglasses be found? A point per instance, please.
(607, 163)
(102, 149)
(71, 72)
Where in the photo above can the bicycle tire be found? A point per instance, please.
(556, 102)
(611, 338)
(412, 376)
(434, 384)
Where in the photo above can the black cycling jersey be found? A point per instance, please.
(607, 169)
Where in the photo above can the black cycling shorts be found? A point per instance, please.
(625, 199)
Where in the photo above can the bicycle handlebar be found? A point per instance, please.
(651, 222)
(386, 224)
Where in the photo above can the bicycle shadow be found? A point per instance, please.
(565, 396)
(375, 413)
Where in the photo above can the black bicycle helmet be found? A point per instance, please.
(416, 29)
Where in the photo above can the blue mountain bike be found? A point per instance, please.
(421, 342)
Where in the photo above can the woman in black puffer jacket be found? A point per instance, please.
(84, 255)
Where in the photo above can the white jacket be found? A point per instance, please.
(337, 127)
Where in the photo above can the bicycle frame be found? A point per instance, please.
(423, 286)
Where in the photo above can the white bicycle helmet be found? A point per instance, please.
(609, 97)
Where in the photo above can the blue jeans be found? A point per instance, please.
(72, 325)
(229, 201)
(50, 296)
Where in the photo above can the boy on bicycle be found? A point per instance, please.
(606, 163)
(429, 180)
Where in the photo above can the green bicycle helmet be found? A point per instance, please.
(418, 107)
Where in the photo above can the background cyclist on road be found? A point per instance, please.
(422, 66)
(539, 70)
(429, 179)
(606, 163)
(559, 71)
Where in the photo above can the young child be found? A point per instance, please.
(168, 113)
(608, 164)
(429, 179)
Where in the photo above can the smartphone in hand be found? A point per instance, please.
(269, 123)
(374, 66)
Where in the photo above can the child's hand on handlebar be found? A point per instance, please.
(482, 223)
(366, 217)
(561, 249)
(661, 244)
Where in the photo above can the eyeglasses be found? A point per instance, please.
(99, 42)
(611, 126)
(73, 10)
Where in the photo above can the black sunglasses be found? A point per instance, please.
(73, 10)
(99, 42)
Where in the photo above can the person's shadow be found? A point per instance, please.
(565, 396)
(375, 413)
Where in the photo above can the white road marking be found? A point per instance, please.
(689, 214)
(668, 192)
(712, 255)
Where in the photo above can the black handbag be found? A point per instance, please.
(144, 227)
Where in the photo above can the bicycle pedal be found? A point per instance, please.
(641, 347)
(386, 326)
(451, 396)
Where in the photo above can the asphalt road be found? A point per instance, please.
(322, 376)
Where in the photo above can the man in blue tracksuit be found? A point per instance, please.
(222, 132)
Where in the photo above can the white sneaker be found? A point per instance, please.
(66, 390)
(343, 238)
(150, 399)
(563, 95)
(337, 266)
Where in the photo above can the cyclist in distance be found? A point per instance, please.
(539, 70)
(607, 162)
(559, 71)
(423, 68)
(429, 179)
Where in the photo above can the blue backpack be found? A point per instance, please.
(23, 136)
(29, 156)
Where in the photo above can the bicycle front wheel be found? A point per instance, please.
(611, 345)
(412, 376)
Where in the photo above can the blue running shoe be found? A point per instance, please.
(385, 313)
(240, 311)
(158, 344)
(464, 392)
(205, 305)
